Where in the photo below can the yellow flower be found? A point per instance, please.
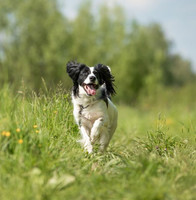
(17, 130)
(169, 121)
(7, 134)
(3, 133)
(34, 126)
(37, 131)
(20, 141)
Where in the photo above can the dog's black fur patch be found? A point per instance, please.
(104, 76)
(104, 96)
(78, 73)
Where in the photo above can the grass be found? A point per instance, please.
(152, 155)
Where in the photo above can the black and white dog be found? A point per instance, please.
(94, 112)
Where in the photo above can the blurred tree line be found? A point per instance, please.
(37, 40)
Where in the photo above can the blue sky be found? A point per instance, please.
(177, 17)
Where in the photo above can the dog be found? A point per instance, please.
(93, 110)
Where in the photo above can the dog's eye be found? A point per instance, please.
(95, 73)
(84, 72)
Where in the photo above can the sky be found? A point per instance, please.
(177, 17)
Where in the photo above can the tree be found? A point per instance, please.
(177, 71)
(83, 41)
(36, 37)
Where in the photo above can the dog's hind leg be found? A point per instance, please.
(104, 141)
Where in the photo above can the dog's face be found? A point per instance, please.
(88, 80)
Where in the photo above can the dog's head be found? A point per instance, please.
(89, 79)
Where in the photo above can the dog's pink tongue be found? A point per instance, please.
(91, 91)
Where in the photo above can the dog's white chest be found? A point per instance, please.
(95, 111)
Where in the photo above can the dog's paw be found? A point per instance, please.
(94, 138)
(89, 149)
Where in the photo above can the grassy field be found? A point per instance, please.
(152, 155)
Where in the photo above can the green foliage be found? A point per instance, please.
(160, 143)
(144, 61)
(37, 40)
(178, 71)
(41, 159)
(36, 37)
(83, 35)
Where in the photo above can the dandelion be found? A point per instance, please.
(7, 134)
(37, 131)
(169, 121)
(17, 130)
(3, 133)
(35, 126)
(20, 141)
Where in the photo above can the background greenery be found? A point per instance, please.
(152, 154)
(38, 40)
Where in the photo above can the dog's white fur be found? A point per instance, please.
(97, 121)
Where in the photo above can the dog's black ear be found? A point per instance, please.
(106, 77)
(73, 69)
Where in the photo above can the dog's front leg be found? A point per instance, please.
(85, 141)
(95, 131)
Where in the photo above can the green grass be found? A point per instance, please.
(152, 155)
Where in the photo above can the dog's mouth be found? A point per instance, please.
(90, 88)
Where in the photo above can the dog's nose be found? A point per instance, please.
(92, 78)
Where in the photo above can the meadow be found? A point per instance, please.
(152, 155)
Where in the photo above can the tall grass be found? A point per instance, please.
(150, 157)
